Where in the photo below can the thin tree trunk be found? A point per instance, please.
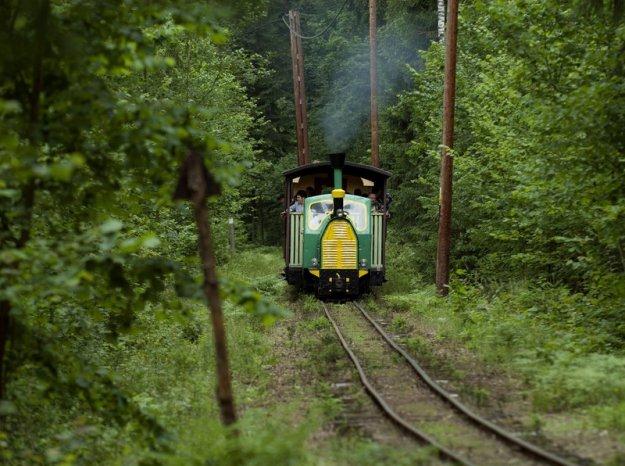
(211, 291)
(5, 311)
(28, 191)
(621, 253)
(373, 82)
(441, 20)
(617, 9)
(196, 184)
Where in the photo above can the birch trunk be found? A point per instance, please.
(441, 20)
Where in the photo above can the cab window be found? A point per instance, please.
(357, 213)
(317, 212)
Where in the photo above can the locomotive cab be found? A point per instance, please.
(335, 246)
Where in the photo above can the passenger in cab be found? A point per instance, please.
(375, 204)
(298, 206)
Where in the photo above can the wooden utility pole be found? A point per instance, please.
(373, 75)
(196, 184)
(449, 98)
(299, 90)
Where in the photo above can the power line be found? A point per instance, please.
(326, 29)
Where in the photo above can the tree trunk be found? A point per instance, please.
(441, 20)
(5, 310)
(373, 81)
(211, 292)
(28, 190)
(196, 184)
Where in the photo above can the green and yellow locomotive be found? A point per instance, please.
(334, 242)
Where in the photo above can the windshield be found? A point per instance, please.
(317, 211)
(356, 211)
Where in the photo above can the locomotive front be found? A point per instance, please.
(337, 254)
(335, 245)
(336, 231)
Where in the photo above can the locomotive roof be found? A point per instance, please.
(350, 168)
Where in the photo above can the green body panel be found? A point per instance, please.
(312, 238)
(338, 178)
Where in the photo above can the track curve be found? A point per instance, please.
(444, 453)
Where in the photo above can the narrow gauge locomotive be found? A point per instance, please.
(335, 247)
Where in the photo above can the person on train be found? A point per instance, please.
(298, 205)
(375, 204)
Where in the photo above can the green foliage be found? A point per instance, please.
(575, 381)
(610, 417)
(151, 396)
(98, 103)
(264, 440)
(366, 452)
(539, 152)
(538, 226)
(560, 343)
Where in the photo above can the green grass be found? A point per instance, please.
(167, 364)
(363, 452)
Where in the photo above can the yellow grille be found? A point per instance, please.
(339, 248)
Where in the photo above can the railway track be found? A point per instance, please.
(474, 439)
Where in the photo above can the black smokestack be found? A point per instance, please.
(337, 160)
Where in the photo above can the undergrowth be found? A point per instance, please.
(165, 363)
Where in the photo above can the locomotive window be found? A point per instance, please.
(317, 211)
(357, 212)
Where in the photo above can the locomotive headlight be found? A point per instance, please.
(314, 262)
(363, 263)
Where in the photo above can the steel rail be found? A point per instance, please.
(443, 452)
(483, 423)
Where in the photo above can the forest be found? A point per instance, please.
(107, 347)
